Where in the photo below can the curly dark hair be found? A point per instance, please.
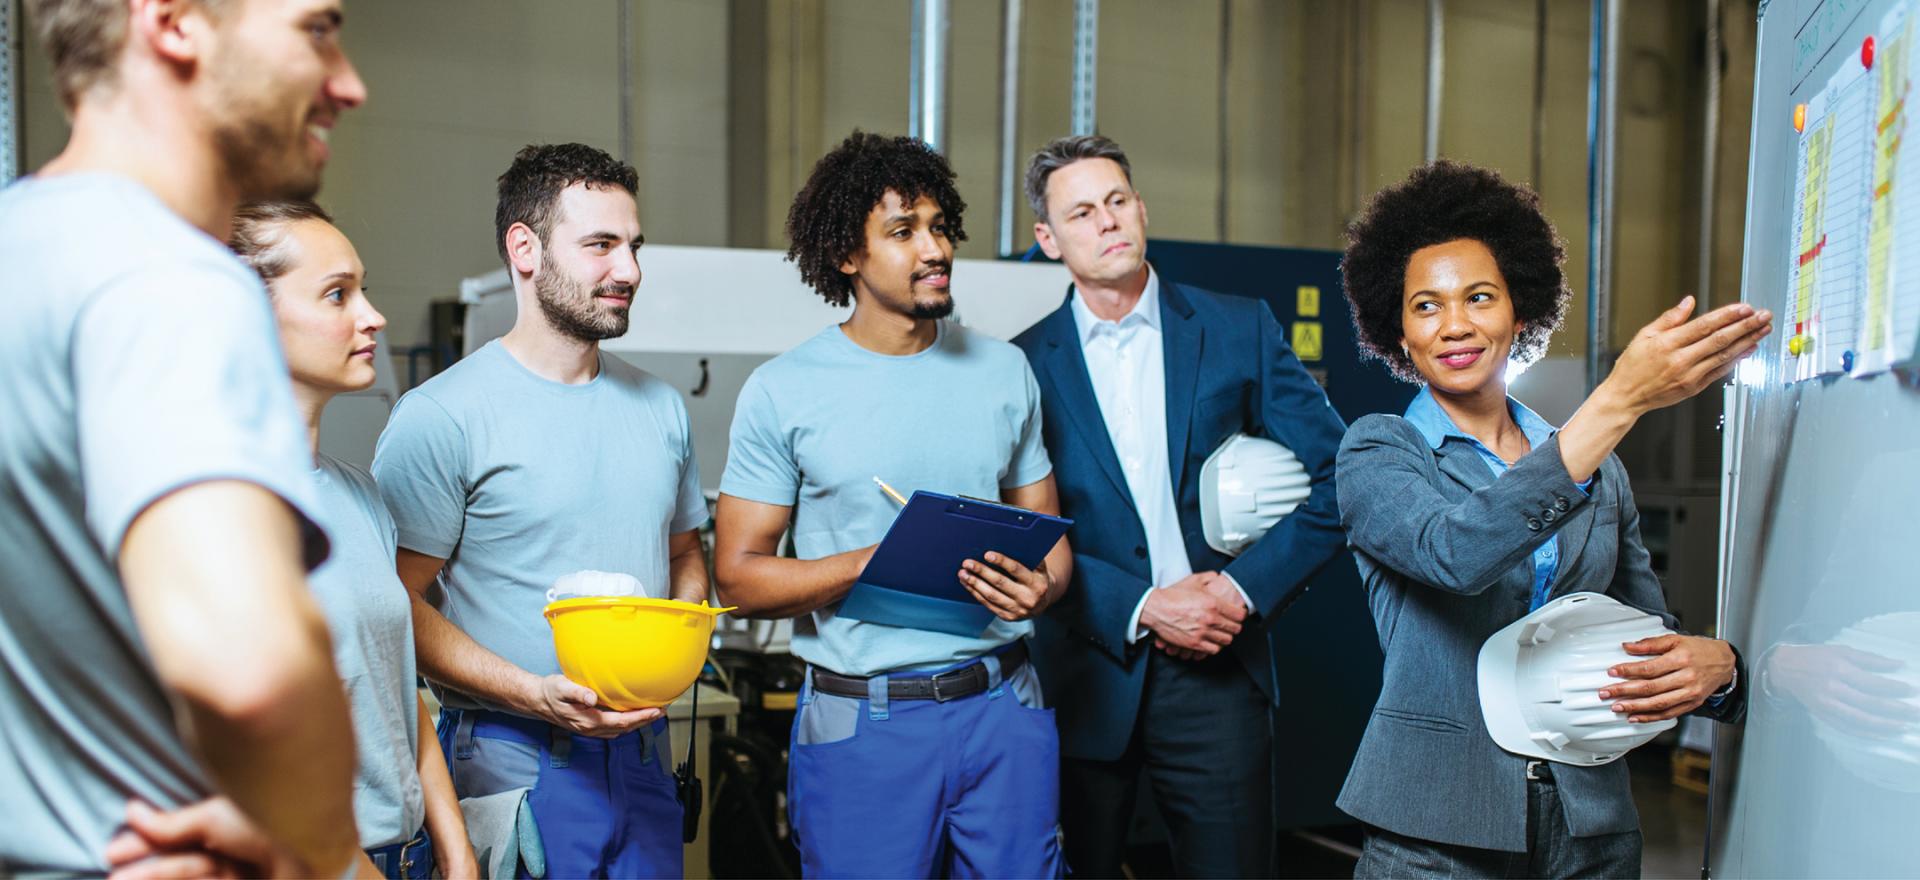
(531, 186)
(828, 221)
(1448, 201)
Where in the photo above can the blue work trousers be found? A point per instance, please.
(604, 807)
(919, 788)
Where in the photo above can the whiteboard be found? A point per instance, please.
(1820, 578)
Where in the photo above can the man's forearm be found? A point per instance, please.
(289, 765)
(689, 576)
(1059, 566)
(769, 586)
(214, 580)
(450, 657)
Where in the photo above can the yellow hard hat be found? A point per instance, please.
(636, 653)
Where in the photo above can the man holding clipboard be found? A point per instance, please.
(917, 751)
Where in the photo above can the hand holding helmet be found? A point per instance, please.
(1684, 671)
(1541, 679)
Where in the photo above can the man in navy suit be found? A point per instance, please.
(1158, 657)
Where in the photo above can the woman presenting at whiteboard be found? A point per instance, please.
(1471, 510)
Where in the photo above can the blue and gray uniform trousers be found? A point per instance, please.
(604, 807)
(962, 787)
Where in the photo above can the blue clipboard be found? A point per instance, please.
(913, 579)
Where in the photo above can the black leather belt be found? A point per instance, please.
(951, 685)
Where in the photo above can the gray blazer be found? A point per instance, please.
(1445, 552)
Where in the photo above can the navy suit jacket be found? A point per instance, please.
(1228, 369)
(1445, 550)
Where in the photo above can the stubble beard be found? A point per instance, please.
(572, 312)
(260, 162)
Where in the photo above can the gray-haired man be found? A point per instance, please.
(1158, 656)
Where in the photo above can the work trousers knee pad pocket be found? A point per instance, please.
(1025, 684)
(496, 765)
(826, 719)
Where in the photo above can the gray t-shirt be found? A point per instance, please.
(813, 428)
(137, 357)
(371, 618)
(515, 481)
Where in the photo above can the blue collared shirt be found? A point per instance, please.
(1436, 426)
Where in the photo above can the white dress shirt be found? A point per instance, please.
(1125, 361)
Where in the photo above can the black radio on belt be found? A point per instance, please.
(686, 786)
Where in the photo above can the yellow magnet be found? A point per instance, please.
(1797, 346)
(1800, 117)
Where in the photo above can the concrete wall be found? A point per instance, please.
(1318, 104)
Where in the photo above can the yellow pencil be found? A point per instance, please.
(889, 490)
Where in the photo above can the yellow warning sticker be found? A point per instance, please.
(1307, 302)
(1306, 340)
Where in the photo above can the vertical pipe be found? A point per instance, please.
(1709, 152)
(626, 80)
(9, 91)
(1603, 114)
(1436, 58)
(1086, 56)
(927, 91)
(1357, 42)
(1010, 18)
(1221, 206)
(1540, 37)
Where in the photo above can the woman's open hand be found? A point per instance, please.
(1673, 358)
(1668, 361)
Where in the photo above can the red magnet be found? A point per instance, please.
(1866, 53)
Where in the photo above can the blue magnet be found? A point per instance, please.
(1846, 361)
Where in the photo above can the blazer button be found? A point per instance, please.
(1533, 525)
(1139, 552)
(1549, 514)
(1560, 503)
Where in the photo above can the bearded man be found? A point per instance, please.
(535, 457)
(161, 648)
(915, 752)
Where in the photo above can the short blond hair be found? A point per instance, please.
(84, 39)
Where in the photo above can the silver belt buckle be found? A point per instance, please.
(1533, 768)
(944, 681)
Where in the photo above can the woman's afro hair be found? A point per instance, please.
(1448, 201)
(828, 221)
